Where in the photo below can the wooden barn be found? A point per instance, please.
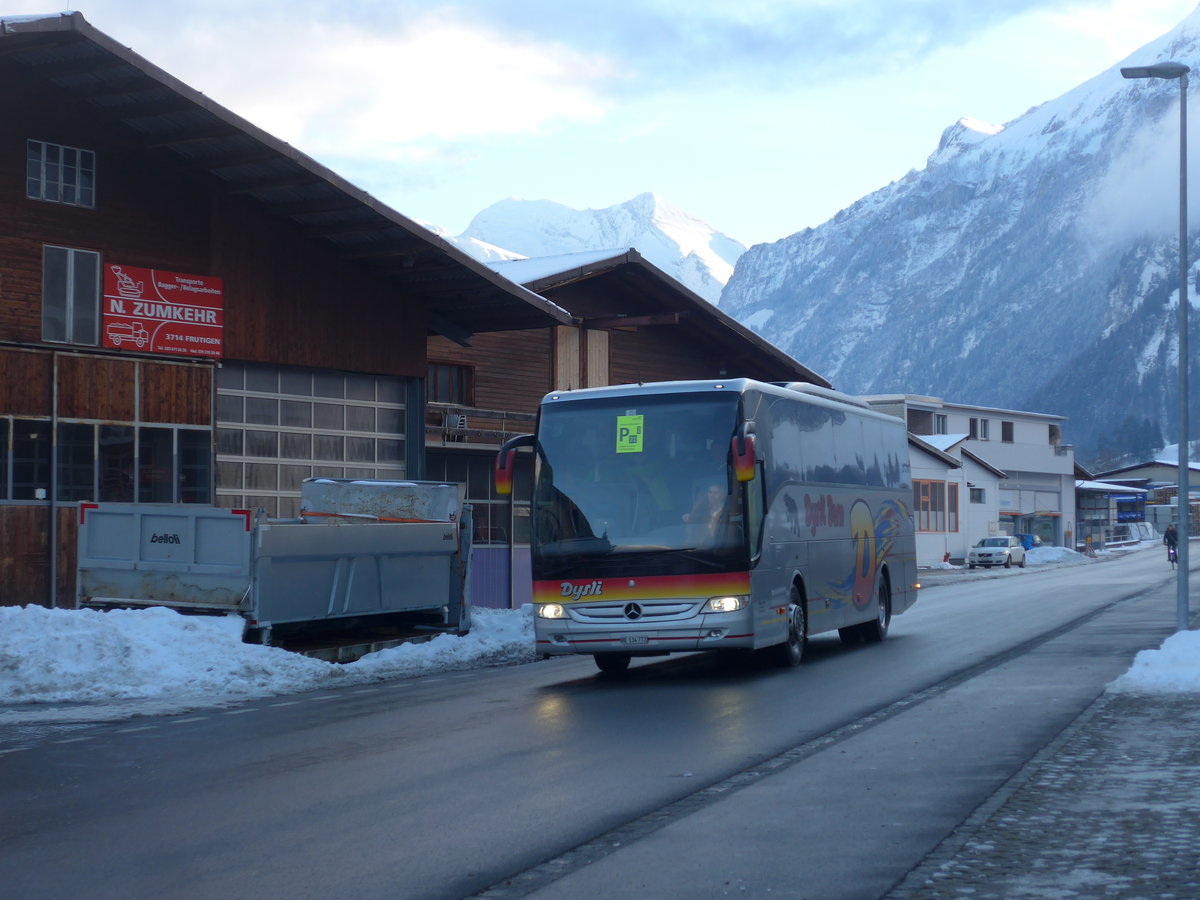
(191, 311)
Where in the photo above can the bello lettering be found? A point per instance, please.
(165, 539)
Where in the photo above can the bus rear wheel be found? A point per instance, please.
(791, 651)
(875, 631)
(611, 662)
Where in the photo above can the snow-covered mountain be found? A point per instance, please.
(1033, 266)
(681, 245)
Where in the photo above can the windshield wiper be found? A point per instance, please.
(581, 546)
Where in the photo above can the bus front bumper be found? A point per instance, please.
(706, 632)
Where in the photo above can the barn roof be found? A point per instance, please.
(661, 301)
(156, 109)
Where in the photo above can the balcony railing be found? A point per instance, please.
(450, 424)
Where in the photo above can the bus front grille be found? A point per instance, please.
(634, 611)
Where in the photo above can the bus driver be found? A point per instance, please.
(707, 516)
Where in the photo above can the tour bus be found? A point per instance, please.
(714, 515)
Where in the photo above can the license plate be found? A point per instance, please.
(635, 639)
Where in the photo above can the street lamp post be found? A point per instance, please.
(1172, 70)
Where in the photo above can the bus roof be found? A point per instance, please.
(817, 395)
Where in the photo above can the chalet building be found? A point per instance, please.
(630, 322)
(191, 311)
(956, 498)
(1037, 495)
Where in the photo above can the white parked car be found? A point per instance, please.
(997, 551)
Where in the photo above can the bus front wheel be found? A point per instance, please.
(791, 651)
(611, 662)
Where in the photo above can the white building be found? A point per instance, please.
(956, 497)
(1036, 494)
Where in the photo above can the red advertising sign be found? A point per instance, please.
(162, 312)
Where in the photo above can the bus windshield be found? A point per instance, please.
(637, 485)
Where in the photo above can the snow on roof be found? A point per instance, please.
(1105, 486)
(6, 21)
(944, 441)
(524, 271)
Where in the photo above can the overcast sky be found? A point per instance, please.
(761, 117)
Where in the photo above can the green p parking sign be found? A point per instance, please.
(629, 434)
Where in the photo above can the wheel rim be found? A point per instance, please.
(796, 630)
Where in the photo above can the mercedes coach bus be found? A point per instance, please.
(714, 515)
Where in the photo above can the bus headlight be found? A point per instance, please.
(551, 611)
(726, 604)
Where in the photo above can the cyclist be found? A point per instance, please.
(1171, 539)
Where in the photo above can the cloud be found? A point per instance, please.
(391, 85)
(609, 46)
(1138, 195)
(763, 42)
(1122, 24)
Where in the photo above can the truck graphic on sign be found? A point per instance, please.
(131, 332)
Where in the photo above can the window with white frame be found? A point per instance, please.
(940, 425)
(978, 495)
(60, 174)
(70, 295)
(979, 429)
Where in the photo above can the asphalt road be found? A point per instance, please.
(687, 778)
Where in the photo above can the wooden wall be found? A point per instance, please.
(289, 299)
(513, 369)
(90, 386)
(177, 394)
(658, 353)
(24, 381)
(24, 564)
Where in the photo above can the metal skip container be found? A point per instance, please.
(392, 501)
(360, 548)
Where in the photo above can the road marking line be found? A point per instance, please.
(74, 740)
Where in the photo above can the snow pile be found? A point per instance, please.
(168, 662)
(1174, 668)
(1040, 556)
(54, 655)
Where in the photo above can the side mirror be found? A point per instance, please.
(506, 461)
(745, 455)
